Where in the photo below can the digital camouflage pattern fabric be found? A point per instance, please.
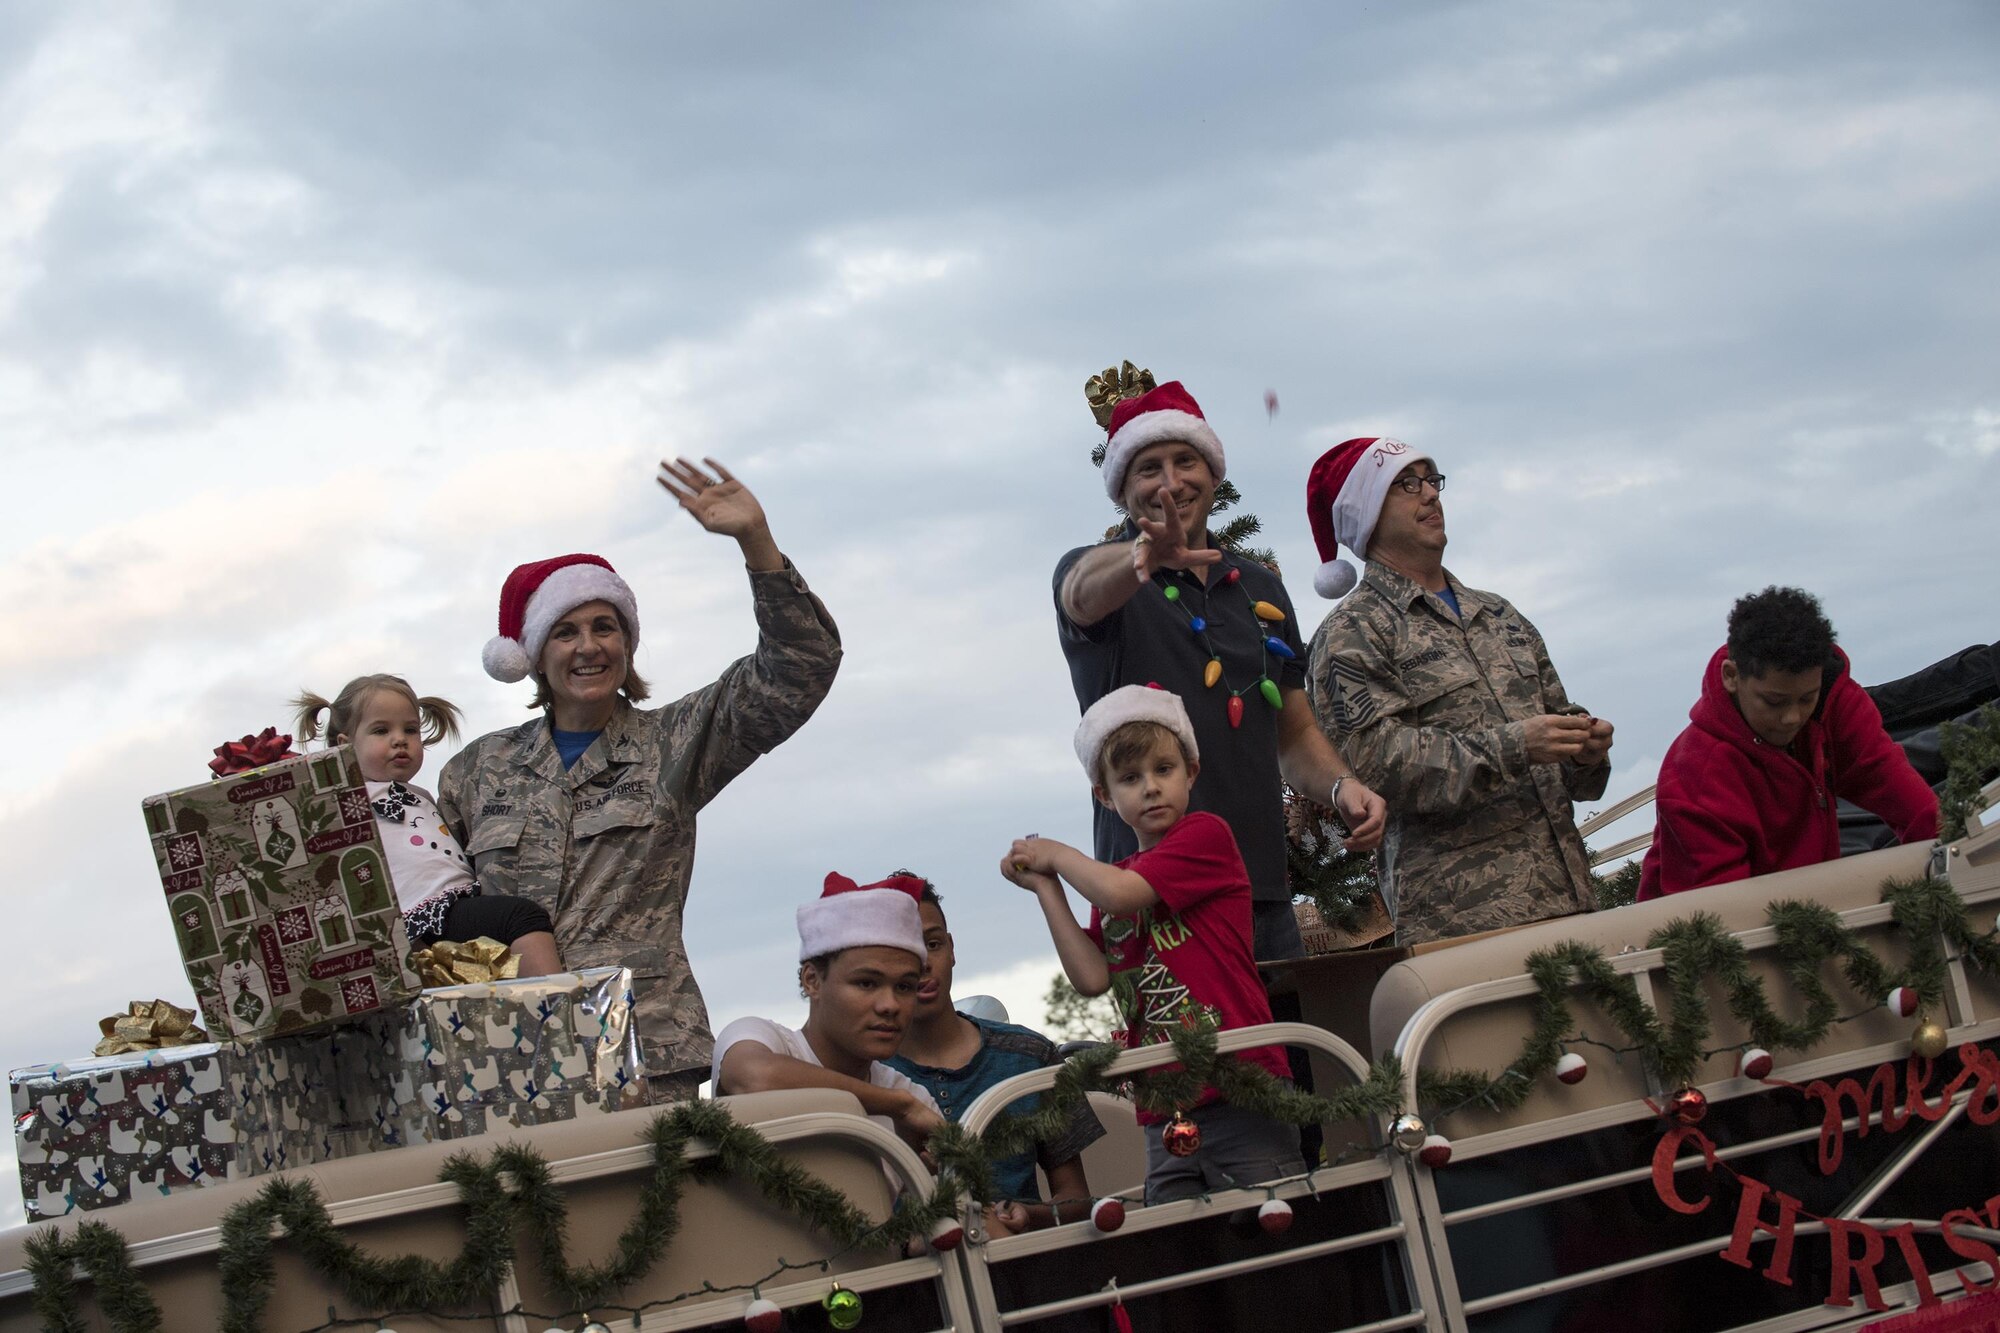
(1429, 712)
(608, 846)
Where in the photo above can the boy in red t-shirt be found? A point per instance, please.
(1169, 930)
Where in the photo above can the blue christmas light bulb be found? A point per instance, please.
(1277, 647)
(1197, 624)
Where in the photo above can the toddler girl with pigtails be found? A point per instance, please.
(388, 726)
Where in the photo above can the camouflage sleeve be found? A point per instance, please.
(1378, 722)
(759, 700)
(451, 788)
(1582, 784)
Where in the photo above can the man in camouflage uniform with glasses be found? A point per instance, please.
(1444, 699)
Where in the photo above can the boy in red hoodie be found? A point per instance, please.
(1780, 734)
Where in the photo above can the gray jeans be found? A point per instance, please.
(1238, 1148)
(1274, 931)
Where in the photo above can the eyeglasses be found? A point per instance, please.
(1414, 485)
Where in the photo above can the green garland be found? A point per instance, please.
(100, 1252)
(1971, 752)
(965, 1159)
(513, 1195)
(1696, 951)
(1341, 884)
(496, 1207)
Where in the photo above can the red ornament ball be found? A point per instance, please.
(1107, 1214)
(1435, 1152)
(1756, 1063)
(1572, 1067)
(946, 1234)
(1688, 1105)
(1902, 1001)
(1275, 1217)
(763, 1316)
(1181, 1137)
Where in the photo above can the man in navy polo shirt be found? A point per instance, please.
(1159, 603)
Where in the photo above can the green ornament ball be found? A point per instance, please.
(843, 1308)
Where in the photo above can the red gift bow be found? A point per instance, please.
(266, 747)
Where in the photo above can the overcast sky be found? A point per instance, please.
(315, 320)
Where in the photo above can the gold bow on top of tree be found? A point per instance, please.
(1113, 386)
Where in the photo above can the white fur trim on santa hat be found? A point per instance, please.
(859, 919)
(1131, 703)
(559, 594)
(1359, 503)
(1149, 428)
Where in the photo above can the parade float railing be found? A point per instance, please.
(731, 1243)
(1850, 1183)
(1349, 1256)
(1610, 815)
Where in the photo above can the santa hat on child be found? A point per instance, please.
(536, 596)
(847, 915)
(1132, 703)
(1166, 413)
(1344, 494)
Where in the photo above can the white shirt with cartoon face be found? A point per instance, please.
(424, 859)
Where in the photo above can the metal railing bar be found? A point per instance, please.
(1576, 1189)
(1638, 842)
(1138, 1218)
(1556, 1285)
(1639, 1264)
(1611, 814)
(1892, 1170)
(807, 1291)
(1197, 1277)
(997, 1098)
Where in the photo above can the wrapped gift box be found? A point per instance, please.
(454, 1063)
(280, 898)
(96, 1132)
(100, 1132)
(467, 1060)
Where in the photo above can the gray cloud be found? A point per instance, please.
(1687, 303)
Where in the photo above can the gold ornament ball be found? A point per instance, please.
(1930, 1039)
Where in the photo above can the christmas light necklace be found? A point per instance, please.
(1265, 615)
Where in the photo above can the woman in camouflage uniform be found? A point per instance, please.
(590, 808)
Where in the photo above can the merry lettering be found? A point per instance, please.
(1980, 1069)
(1857, 1247)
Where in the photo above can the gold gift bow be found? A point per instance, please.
(148, 1025)
(1117, 383)
(448, 963)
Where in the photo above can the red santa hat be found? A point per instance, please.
(1132, 703)
(1166, 413)
(1344, 494)
(537, 595)
(847, 915)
